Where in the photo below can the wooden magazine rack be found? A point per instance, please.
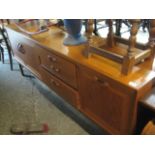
(126, 52)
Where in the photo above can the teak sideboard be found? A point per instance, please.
(95, 86)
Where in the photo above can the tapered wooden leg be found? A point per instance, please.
(128, 64)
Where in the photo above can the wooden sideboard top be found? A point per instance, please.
(53, 40)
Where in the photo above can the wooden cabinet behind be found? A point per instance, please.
(105, 101)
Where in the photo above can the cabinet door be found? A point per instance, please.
(105, 102)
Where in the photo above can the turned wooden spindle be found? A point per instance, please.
(133, 33)
(90, 28)
(152, 32)
(110, 37)
(129, 58)
(152, 42)
(89, 32)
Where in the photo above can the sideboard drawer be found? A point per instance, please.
(24, 50)
(65, 91)
(59, 67)
(19, 46)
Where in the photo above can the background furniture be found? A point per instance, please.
(146, 113)
(144, 23)
(6, 42)
(97, 25)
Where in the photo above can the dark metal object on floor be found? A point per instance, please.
(1, 53)
(95, 31)
(145, 23)
(119, 23)
(118, 27)
(96, 27)
(22, 72)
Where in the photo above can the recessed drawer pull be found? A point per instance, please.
(57, 69)
(52, 58)
(57, 84)
(20, 48)
(52, 81)
(104, 83)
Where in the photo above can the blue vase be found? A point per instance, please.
(73, 27)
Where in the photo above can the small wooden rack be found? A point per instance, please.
(126, 52)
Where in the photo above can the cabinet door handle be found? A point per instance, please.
(104, 83)
(20, 48)
(53, 59)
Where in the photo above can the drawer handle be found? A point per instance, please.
(52, 58)
(54, 82)
(57, 84)
(20, 48)
(57, 70)
(106, 84)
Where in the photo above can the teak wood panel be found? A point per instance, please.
(107, 103)
(68, 93)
